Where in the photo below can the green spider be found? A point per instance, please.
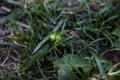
(56, 37)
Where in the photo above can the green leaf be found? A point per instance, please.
(13, 15)
(100, 66)
(43, 6)
(5, 43)
(13, 2)
(87, 74)
(66, 74)
(116, 32)
(112, 18)
(23, 25)
(117, 43)
(74, 60)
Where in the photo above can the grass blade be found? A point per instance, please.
(100, 67)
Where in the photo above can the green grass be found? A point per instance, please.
(38, 56)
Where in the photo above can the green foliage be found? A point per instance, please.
(72, 62)
(75, 60)
(57, 44)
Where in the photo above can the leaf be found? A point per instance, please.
(103, 10)
(23, 25)
(116, 32)
(117, 43)
(13, 15)
(100, 66)
(5, 43)
(74, 60)
(13, 2)
(108, 36)
(87, 74)
(66, 74)
(43, 6)
(112, 18)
